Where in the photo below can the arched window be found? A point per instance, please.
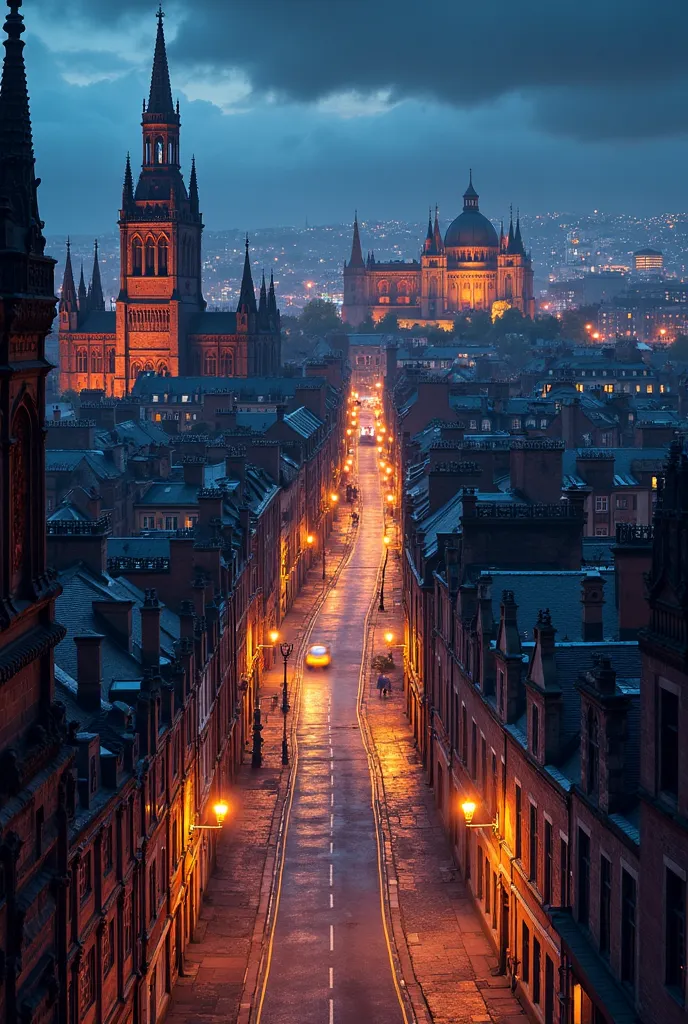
(162, 369)
(226, 364)
(135, 370)
(383, 288)
(110, 360)
(96, 361)
(136, 257)
(148, 152)
(159, 151)
(81, 360)
(170, 153)
(593, 767)
(162, 256)
(210, 365)
(150, 256)
(149, 368)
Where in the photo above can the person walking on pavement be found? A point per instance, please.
(384, 685)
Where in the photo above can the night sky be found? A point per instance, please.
(302, 109)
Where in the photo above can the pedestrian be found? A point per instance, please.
(380, 684)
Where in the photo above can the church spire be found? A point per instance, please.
(18, 183)
(83, 294)
(356, 251)
(437, 234)
(128, 186)
(68, 297)
(518, 241)
(193, 188)
(96, 300)
(470, 196)
(263, 301)
(247, 295)
(272, 300)
(160, 98)
(510, 237)
(429, 236)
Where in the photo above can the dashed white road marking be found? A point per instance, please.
(331, 822)
(331, 902)
(331, 1011)
(332, 780)
(331, 938)
(331, 799)
(331, 977)
(331, 847)
(331, 873)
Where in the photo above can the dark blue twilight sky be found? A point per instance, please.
(302, 109)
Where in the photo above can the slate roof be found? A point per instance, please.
(150, 546)
(65, 460)
(560, 591)
(217, 323)
(303, 421)
(169, 493)
(74, 609)
(66, 512)
(262, 388)
(627, 462)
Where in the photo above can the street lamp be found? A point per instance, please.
(381, 605)
(286, 650)
(468, 808)
(220, 809)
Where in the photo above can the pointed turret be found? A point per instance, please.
(193, 188)
(502, 239)
(470, 196)
(68, 302)
(83, 294)
(128, 186)
(429, 238)
(263, 303)
(160, 98)
(518, 241)
(96, 300)
(273, 312)
(510, 237)
(356, 251)
(437, 234)
(247, 295)
(20, 224)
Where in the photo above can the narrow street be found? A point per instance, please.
(330, 956)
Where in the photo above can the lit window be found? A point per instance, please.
(154, 398)
(185, 398)
(654, 483)
(650, 389)
(601, 503)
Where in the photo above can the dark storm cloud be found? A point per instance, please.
(588, 68)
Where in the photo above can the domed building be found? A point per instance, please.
(471, 268)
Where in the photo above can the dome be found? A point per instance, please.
(470, 229)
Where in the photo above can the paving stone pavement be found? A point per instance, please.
(453, 961)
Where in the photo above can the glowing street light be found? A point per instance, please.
(389, 637)
(274, 636)
(309, 539)
(220, 810)
(390, 498)
(334, 498)
(468, 808)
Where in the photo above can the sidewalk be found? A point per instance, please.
(434, 920)
(223, 958)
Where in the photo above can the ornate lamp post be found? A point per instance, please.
(286, 650)
(381, 605)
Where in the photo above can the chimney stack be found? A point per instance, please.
(89, 670)
(592, 601)
(150, 629)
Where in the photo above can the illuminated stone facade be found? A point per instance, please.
(160, 323)
(470, 269)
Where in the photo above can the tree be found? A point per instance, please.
(679, 349)
(574, 321)
(389, 324)
(320, 317)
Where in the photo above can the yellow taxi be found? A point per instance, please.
(318, 656)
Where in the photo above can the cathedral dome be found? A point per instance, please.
(471, 228)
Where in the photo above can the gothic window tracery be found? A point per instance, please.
(159, 151)
(226, 364)
(135, 370)
(150, 257)
(96, 361)
(110, 360)
(136, 257)
(162, 369)
(162, 256)
(149, 368)
(81, 360)
(210, 365)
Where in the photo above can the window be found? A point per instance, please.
(149, 522)
(152, 891)
(85, 880)
(493, 802)
(605, 904)
(464, 734)
(622, 502)
(601, 531)
(537, 969)
(479, 858)
(519, 823)
(593, 761)
(81, 360)
(159, 151)
(472, 424)
(136, 257)
(668, 742)
(110, 360)
(474, 751)
(675, 952)
(533, 859)
(483, 764)
(170, 522)
(108, 947)
(564, 872)
(127, 926)
(485, 425)
(96, 361)
(531, 422)
(150, 256)
(107, 850)
(210, 364)
(525, 953)
(162, 257)
(547, 883)
(515, 423)
(535, 729)
(583, 881)
(543, 424)
(601, 503)
(487, 886)
(628, 927)
(226, 364)
(87, 980)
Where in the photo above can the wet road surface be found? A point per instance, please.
(330, 959)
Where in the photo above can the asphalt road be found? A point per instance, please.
(330, 960)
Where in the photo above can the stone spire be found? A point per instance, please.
(436, 233)
(128, 186)
(160, 98)
(470, 196)
(510, 236)
(518, 241)
(193, 188)
(247, 295)
(20, 224)
(68, 297)
(96, 300)
(356, 251)
(83, 294)
(272, 300)
(263, 301)
(429, 237)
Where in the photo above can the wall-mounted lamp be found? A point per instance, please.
(220, 809)
(468, 808)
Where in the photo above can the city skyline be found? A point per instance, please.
(343, 140)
